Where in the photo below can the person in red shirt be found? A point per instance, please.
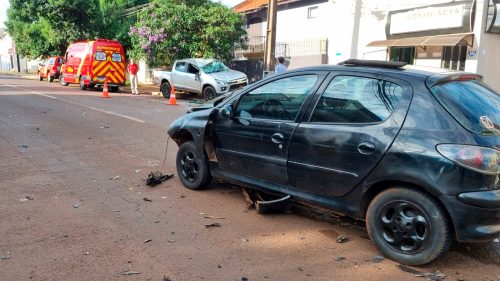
(132, 69)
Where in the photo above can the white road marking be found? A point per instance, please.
(89, 107)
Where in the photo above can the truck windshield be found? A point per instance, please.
(214, 66)
(472, 104)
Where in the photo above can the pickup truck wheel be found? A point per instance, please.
(408, 226)
(61, 81)
(193, 170)
(209, 93)
(165, 90)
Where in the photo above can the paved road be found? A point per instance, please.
(72, 205)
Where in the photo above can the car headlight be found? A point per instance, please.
(221, 82)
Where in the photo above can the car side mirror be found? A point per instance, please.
(227, 111)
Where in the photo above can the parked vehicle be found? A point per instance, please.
(50, 69)
(208, 77)
(90, 63)
(414, 153)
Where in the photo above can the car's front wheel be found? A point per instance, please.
(209, 93)
(40, 78)
(62, 82)
(193, 169)
(408, 226)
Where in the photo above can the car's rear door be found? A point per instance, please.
(254, 143)
(348, 128)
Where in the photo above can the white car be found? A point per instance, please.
(208, 77)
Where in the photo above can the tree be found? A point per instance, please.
(43, 28)
(172, 29)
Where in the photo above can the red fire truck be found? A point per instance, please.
(90, 63)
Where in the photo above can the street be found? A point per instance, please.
(74, 206)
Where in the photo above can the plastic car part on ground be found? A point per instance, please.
(157, 177)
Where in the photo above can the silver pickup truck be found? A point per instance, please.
(208, 77)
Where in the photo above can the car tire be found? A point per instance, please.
(40, 78)
(193, 170)
(82, 85)
(50, 78)
(62, 82)
(408, 226)
(165, 89)
(209, 93)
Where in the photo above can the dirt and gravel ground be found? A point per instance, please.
(72, 205)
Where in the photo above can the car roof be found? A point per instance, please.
(198, 61)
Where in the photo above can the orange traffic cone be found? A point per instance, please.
(105, 90)
(173, 100)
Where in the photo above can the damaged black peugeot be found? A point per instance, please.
(414, 153)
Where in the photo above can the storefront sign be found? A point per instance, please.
(441, 19)
(493, 18)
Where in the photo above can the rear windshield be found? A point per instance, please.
(472, 104)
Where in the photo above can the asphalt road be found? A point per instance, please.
(72, 205)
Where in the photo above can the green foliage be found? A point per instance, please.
(173, 29)
(43, 28)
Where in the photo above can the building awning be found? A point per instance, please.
(438, 40)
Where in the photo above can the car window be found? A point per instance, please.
(100, 56)
(60, 61)
(351, 99)
(51, 61)
(181, 66)
(472, 104)
(279, 100)
(192, 69)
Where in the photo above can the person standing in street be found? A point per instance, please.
(280, 67)
(132, 69)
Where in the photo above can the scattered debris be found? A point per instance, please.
(29, 197)
(138, 170)
(164, 197)
(300, 268)
(23, 199)
(76, 205)
(147, 199)
(148, 240)
(126, 272)
(215, 224)
(215, 218)
(87, 253)
(244, 279)
(170, 241)
(244, 240)
(429, 276)
(114, 178)
(165, 278)
(342, 238)
(23, 146)
(378, 258)
(104, 127)
(5, 257)
(339, 258)
(201, 213)
(156, 177)
(183, 196)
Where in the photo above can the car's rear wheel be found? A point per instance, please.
(193, 170)
(408, 226)
(61, 81)
(165, 89)
(82, 85)
(209, 93)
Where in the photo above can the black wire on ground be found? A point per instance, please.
(166, 151)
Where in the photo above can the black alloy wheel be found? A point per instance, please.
(193, 170)
(209, 93)
(408, 226)
(165, 89)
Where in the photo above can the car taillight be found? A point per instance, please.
(480, 159)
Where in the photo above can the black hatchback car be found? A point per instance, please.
(414, 153)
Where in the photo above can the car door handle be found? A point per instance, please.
(278, 138)
(366, 148)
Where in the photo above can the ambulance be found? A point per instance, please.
(90, 63)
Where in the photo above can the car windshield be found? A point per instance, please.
(472, 104)
(214, 66)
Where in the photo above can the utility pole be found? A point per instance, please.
(269, 59)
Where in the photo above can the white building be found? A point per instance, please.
(458, 35)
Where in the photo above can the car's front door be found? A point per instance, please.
(193, 82)
(254, 141)
(350, 127)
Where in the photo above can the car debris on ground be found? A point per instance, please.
(215, 224)
(342, 238)
(429, 276)
(157, 177)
